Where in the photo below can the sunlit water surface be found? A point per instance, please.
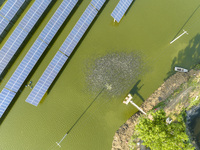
(143, 36)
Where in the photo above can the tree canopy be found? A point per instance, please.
(158, 135)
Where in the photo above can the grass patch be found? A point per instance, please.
(193, 102)
(161, 104)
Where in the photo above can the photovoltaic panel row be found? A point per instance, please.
(34, 14)
(37, 49)
(98, 3)
(3, 24)
(46, 79)
(32, 56)
(8, 11)
(78, 30)
(6, 97)
(57, 20)
(11, 46)
(10, 8)
(20, 33)
(26, 65)
(121, 9)
(59, 59)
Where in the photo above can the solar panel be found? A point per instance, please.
(11, 8)
(59, 59)
(31, 58)
(78, 30)
(11, 46)
(20, 33)
(98, 3)
(57, 20)
(34, 14)
(8, 12)
(33, 55)
(3, 24)
(26, 65)
(6, 97)
(47, 78)
(120, 9)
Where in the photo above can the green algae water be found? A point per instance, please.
(146, 30)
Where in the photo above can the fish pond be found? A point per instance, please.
(111, 60)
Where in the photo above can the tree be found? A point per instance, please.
(158, 135)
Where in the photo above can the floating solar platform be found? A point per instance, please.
(98, 3)
(46, 79)
(26, 65)
(78, 30)
(11, 46)
(59, 59)
(57, 20)
(3, 24)
(20, 33)
(10, 8)
(33, 14)
(39, 46)
(121, 9)
(6, 97)
(8, 11)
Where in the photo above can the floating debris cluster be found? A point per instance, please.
(117, 72)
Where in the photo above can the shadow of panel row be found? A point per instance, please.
(1, 2)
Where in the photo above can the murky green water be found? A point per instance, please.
(148, 27)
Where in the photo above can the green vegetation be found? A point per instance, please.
(193, 102)
(157, 134)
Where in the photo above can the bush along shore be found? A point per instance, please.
(178, 94)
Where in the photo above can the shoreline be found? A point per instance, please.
(124, 133)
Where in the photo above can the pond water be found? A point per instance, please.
(143, 35)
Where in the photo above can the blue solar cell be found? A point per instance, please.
(26, 65)
(78, 30)
(98, 3)
(46, 79)
(121, 9)
(6, 97)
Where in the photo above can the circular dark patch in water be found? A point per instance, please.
(116, 72)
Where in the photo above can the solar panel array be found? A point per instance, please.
(26, 66)
(20, 33)
(3, 24)
(121, 9)
(39, 46)
(47, 78)
(57, 20)
(98, 3)
(59, 59)
(45, 37)
(8, 11)
(78, 30)
(6, 97)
